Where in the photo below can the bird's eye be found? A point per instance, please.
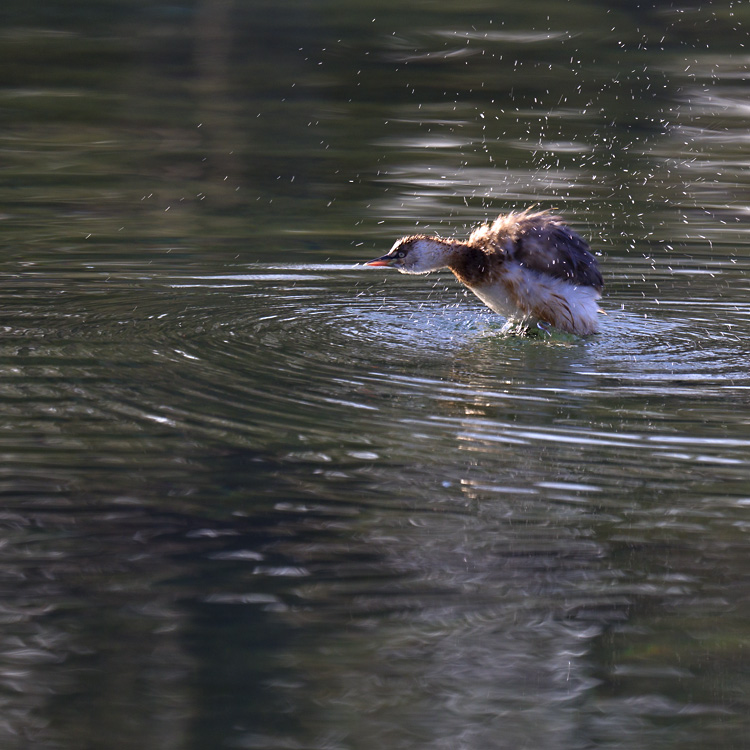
(400, 254)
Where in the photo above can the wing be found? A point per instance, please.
(555, 249)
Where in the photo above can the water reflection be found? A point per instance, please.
(471, 546)
(254, 495)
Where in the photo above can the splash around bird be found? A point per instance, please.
(528, 266)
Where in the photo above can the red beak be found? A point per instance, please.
(384, 261)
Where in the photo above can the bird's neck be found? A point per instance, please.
(436, 252)
(451, 250)
(469, 263)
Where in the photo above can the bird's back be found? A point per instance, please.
(542, 243)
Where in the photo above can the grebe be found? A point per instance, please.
(526, 265)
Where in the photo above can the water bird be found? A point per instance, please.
(528, 266)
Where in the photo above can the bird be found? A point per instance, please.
(528, 266)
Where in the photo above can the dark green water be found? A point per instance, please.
(255, 495)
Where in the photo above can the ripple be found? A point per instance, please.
(268, 353)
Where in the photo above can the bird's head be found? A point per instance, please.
(417, 254)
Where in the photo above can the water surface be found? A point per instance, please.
(257, 495)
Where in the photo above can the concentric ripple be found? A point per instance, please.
(286, 339)
(357, 360)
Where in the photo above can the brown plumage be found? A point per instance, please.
(527, 265)
(540, 242)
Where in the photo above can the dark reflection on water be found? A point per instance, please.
(256, 495)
